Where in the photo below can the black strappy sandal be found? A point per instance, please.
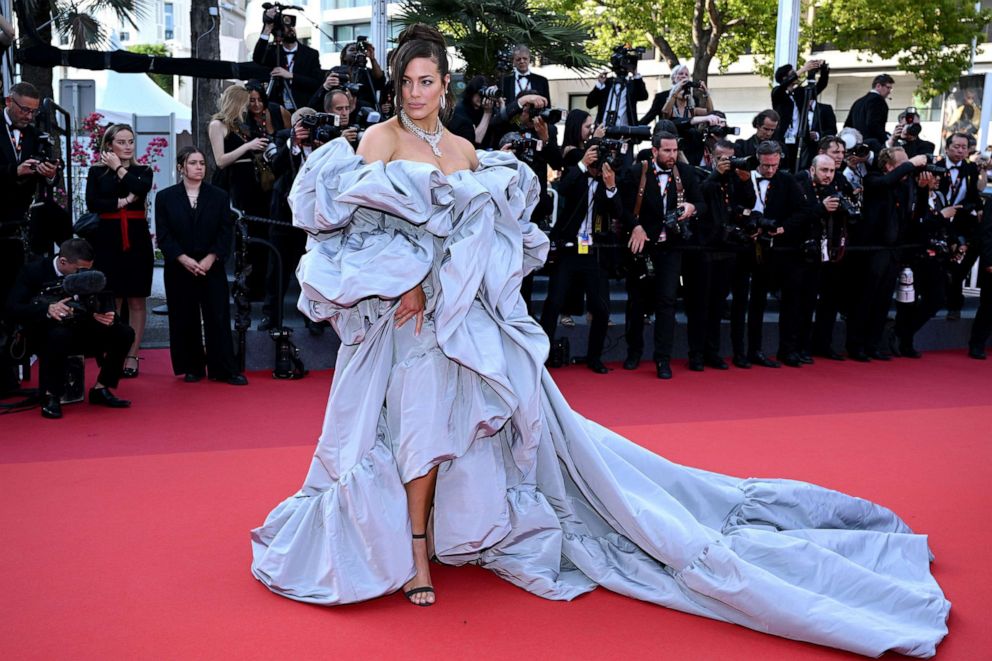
(412, 591)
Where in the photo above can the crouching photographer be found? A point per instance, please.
(64, 310)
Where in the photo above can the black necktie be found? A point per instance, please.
(760, 179)
(954, 167)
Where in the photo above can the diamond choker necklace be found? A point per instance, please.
(433, 139)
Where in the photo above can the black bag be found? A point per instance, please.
(86, 226)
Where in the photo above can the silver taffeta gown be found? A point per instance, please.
(528, 488)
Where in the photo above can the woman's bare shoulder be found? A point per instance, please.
(467, 149)
(379, 142)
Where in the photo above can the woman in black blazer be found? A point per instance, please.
(194, 231)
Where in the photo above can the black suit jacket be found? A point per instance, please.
(179, 232)
(784, 203)
(17, 190)
(574, 189)
(538, 84)
(307, 74)
(868, 115)
(888, 199)
(784, 104)
(966, 224)
(653, 208)
(723, 192)
(22, 302)
(598, 98)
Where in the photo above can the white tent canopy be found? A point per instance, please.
(121, 95)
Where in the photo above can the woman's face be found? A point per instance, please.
(195, 167)
(123, 145)
(586, 131)
(682, 74)
(255, 105)
(423, 88)
(476, 100)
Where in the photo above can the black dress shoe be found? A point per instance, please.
(104, 397)
(664, 369)
(829, 354)
(192, 378)
(859, 356)
(716, 362)
(741, 361)
(806, 358)
(790, 359)
(696, 364)
(51, 407)
(234, 379)
(597, 366)
(878, 355)
(977, 353)
(632, 362)
(909, 351)
(760, 358)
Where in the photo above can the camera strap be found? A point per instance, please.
(640, 190)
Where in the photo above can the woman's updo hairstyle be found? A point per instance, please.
(420, 40)
(184, 153)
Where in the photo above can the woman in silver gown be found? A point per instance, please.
(442, 421)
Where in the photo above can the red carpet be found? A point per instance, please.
(126, 532)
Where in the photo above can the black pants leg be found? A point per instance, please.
(859, 302)
(741, 289)
(667, 268)
(185, 337)
(634, 315)
(791, 272)
(762, 281)
(58, 341)
(929, 282)
(981, 329)
(698, 282)
(721, 267)
(812, 283)
(290, 243)
(831, 289)
(957, 272)
(585, 270)
(11, 261)
(214, 300)
(883, 272)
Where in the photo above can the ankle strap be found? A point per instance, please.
(422, 535)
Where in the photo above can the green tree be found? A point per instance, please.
(479, 29)
(158, 50)
(929, 39)
(74, 20)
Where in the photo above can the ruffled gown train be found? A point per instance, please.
(528, 488)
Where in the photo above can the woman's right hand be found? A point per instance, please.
(411, 305)
(258, 144)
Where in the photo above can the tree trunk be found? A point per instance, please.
(40, 77)
(701, 65)
(206, 92)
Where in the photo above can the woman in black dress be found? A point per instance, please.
(116, 189)
(237, 152)
(195, 232)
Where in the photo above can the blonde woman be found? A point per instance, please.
(233, 149)
(116, 189)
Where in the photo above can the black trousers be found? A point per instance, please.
(189, 298)
(290, 243)
(751, 283)
(662, 290)
(11, 261)
(54, 342)
(957, 272)
(929, 282)
(981, 329)
(873, 282)
(584, 270)
(797, 278)
(707, 284)
(833, 291)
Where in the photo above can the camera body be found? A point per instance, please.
(323, 127)
(676, 227)
(624, 60)
(861, 150)
(611, 152)
(932, 166)
(280, 21)
(720, 131)
(492, 92)
(748, 163)
(749, 222)
(849, 208)
(87, 292)
(524, 147)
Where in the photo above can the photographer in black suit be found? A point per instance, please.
(960, 187)
(889, 193)
(765, 125)
(790, 99)
(522, 79)
(56, 329)
(772, 219)
(981, 330)
(660, 198)
(295, 67)
(615, 97)
(20, 173)
(591, 201)
(870, 113)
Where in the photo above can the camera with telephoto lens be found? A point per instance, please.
(861, 150)
(624, 60)
(280, 21)
(690, 85)
(610, 152)
(323, 127)
(365, 118)
(749, 222)
(550, 115)
(344, 79)
(524, 147)
(720, 131)
(86, 289)
(811, 74)
(676, 227)
(932, 166)
(636, 133)
(848, 207)
(491, 92)
(748, 163)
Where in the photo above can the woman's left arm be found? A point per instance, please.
(138, 179)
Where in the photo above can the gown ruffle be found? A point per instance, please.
(528, 488)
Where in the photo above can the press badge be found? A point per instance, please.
(824, 251)
(584, 242)
(790, 139)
